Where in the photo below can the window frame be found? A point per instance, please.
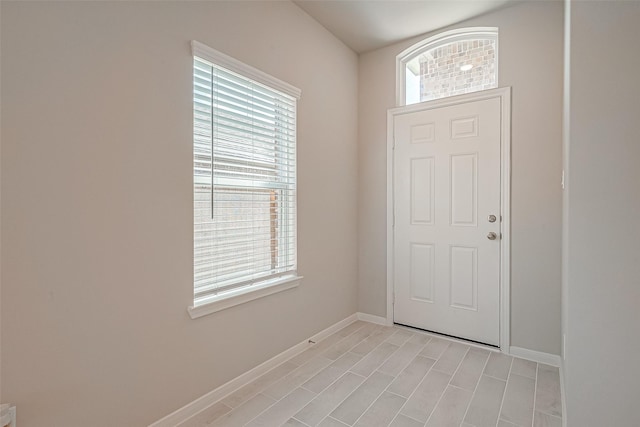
(434, 42)
(259, 288)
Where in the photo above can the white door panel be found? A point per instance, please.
(446, 184)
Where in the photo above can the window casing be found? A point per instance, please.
(244, 169)
(448, 64)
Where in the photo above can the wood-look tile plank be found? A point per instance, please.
(498, 365)
(404, 421)
(470, 369)
(424, 399)
(323, 404)
(296, 378)
(503, 423)
(245, 412)
(410, 377)
(335, 370)
(517, 407)
(451, 358)
(485, 405)
(373, 360)
(349, 342)
(451, 409)
(540, 419)
(284, 409)
(523, 367)
(245, 393)
(292, 422)
(400, 359)
(400, 337)
(207, 416)
(357, 403)
(323, 345)
(420, 339)
(376, 338)
(382, 411)
(435, 348)
(331, 422)
(548, 390)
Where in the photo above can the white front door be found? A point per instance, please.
(446, 244)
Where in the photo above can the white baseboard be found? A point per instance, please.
(535, 356)
(563, 393)
(203, 402)
(378, 320)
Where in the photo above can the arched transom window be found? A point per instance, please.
(448, 64)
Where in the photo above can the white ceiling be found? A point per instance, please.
(365, 25)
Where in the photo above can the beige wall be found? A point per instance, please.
(97, 204)
(530, 61)
(602, 321)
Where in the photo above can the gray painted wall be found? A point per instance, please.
(531, 61)
(97, 204)
(602, 320)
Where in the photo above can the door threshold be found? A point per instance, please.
(453, 338)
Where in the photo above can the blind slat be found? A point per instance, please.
(244, 181)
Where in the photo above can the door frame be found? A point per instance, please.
(504, 94)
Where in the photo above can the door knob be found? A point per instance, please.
(492, 236)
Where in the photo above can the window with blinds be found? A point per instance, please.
(244, 176)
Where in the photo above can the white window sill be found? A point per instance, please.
(240, 296)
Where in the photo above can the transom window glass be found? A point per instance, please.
(451, 63)
(244, 176)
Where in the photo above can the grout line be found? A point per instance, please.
(343, 374)
(423, 380)
(266, 409)
(345, 398)
(535, 393)
(344, 340)
(408, 363)
(301, 422)
(381, 363)
(339, 376)
(546, 413)
(448, 385)
(315, 356)
(396, 394)
(500, 379)
(473, 395)
(394, 377)
(368, 407)
(504, 395)
(336, 420)
(349, 371)
(415, 389)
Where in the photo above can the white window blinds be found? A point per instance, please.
(244, 147)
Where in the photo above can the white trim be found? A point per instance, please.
(215, 57)
(378, 320)
(203, 402)
(536, 356)
(562, 394)
(432, 42)
(242, 295)
(505, 197)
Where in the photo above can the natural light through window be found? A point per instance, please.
(451, 63)
(244, 148)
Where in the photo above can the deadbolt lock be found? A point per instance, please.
(492, 218)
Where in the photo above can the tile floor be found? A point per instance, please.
(367, 375)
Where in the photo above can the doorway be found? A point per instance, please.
(448, 216)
